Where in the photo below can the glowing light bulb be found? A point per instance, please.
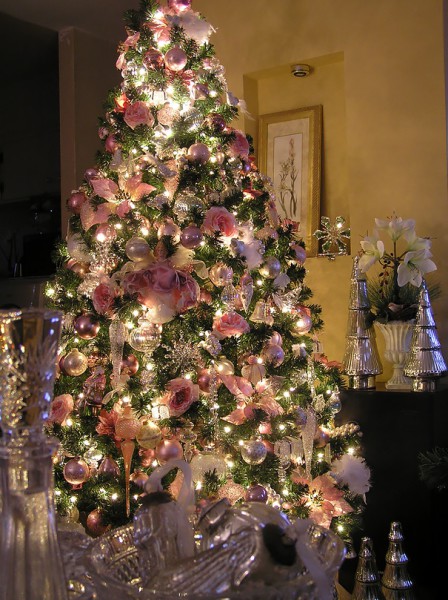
(227, 429)
(114, 496)
(50, 292)
(351, 451)
(73, 499)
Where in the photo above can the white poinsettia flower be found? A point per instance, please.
(396, 226)
(373, 249)
(415, 264)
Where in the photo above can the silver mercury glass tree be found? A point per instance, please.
(361, 360)
(367, 579)
(395, 582)
(425, 363)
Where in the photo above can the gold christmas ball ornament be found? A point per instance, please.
(224, 366)
(75, 363)
(149, 435)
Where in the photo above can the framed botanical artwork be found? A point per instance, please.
(290, 146)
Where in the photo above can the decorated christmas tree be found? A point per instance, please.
(188, 326)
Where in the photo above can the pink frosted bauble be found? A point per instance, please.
(105, 233)
(179, 5)
(273, 355)
(265, 428)
(168, 449)
(139, 478)
(109, 468)
(299, 252)
(127, 426)
(80, 269)
(75, 202)
(76, 471)
(204, 380)
(191, 237)
(111, 144)
(153, 58)
(257, 493)
(276, 339)
(87, 327)
(130, 364)
(175, 59)
(216, 122)
(137, 249)
(220, 274)
(198, 153)
(169, 228)
(303, 323)
(90, 174)
(95, 524)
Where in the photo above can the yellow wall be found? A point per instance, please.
(379, 74)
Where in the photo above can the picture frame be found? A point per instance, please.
(290, 153)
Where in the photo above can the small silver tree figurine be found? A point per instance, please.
(367, 579)
(361, 360)
(425, 363)
(395, 582)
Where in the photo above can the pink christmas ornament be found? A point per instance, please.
(79, 268)
(179, 5)
(170, 228)
(105, 233)
(303, 322)
(153, 58)
(95, 524)
(191, 237)
(204, 380)
(90, 174)
(321, 438)
(109, 468)
(139, 478)
(168, 449)
(175, 59)
(220, 274)
(74, 363)
(75, 202)
(130, 364)
(273, 355)
(86, 326)
(76, 472)
(198, 153)
(111, 144)
(257, 493)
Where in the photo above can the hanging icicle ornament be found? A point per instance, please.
(188, 437)
(127, 427)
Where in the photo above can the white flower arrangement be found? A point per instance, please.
(395, 294)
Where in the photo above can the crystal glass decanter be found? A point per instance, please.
(29, 553)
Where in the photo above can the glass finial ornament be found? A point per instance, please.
(361, 360)
(367, 579)
(425, 363)
(396, 583)
(333, 237)
(29, 553)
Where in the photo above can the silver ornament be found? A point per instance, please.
(253, 452)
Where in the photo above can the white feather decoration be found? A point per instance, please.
(352, 471)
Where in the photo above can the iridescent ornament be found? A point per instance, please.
(299, 253)
(220, 157)
(256, 493)
(139, 478)
(191, 237)
(204, 380)
(153, 58)
(75, 202)
(93, 456)
(79, 268)
(87, 326)
(208, 461)
(95, 523)
(105, 233)
(303, 322)
(220, 274)
(321, 438)
(216, 122)
(111, 144)
(271, 267)
(76, 472)
(185, 203)
(169, 228)
(176, 59)
(90, 174)
(253, 452)
(273, 355)
(146, 337)
(179, 5)
(168, 449)
(149, 434)
(137, 249)
(109, 468)
(74, 363)
(198, 153)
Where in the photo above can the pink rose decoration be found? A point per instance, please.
(163, 290)
(218, 218)
(137, 114)
(239, 146)
(180, 396)
(103, 298)
(61, 407)
(231, 323)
